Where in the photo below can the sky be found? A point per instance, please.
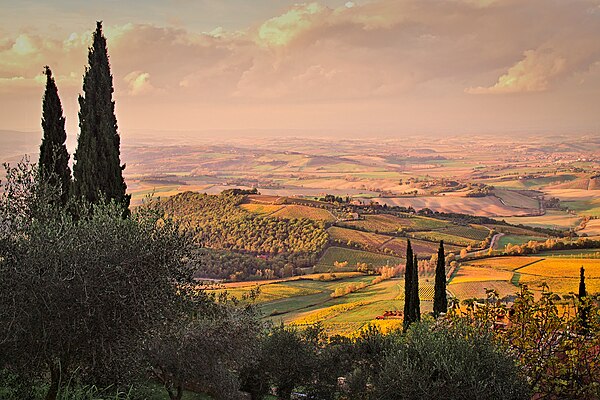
(391, 67)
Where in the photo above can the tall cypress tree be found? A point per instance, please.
(415, 302)
(440, 300)
(54, 158)
(98, 171)
(408, 286)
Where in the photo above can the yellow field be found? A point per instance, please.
(270, 291)
(468, 273)
(504, 263)
(384, 325)
(559, 285)
(296, 211)
(564, 268)
(261, 209)
(320, 315)
(469, 290)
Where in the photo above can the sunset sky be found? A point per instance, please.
(361, 67)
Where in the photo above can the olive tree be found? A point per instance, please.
(80, 294)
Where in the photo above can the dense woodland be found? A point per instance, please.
(218, 222)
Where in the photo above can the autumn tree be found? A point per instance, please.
(54, 158)
(98, 171)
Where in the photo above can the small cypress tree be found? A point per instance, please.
(440, 300)
(54, 158)
(583, 307)
(415, 302)
(98, 171)
(582, 290)
(408, 286)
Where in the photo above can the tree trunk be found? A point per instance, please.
(54, 383)
(179, 391)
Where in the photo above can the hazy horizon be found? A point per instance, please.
(352, 68)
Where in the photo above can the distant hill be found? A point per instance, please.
(591, 183)
(14, 145)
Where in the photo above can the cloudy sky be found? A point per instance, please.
(361, 67)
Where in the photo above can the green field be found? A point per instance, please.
(339, 254)
(478, 234)
(350, 313)
(515, 239)
(387, 223)
(436, 236)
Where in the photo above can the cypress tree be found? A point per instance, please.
(98, 171)
(415, 302)
(408, 286)
(54, 158)
(583, 307)
(582, 290)
(440, 301)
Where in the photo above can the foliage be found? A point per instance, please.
(80, 294)
(546, 339)
(446, 363)
(54, 158)
(234, 266)
(205, 348)
(219, 223)
(412, 306)
(440, 301)
(97, 170)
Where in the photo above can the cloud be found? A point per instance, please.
(139, 83)
(375, 52)
(532, 74)
(281, 30)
